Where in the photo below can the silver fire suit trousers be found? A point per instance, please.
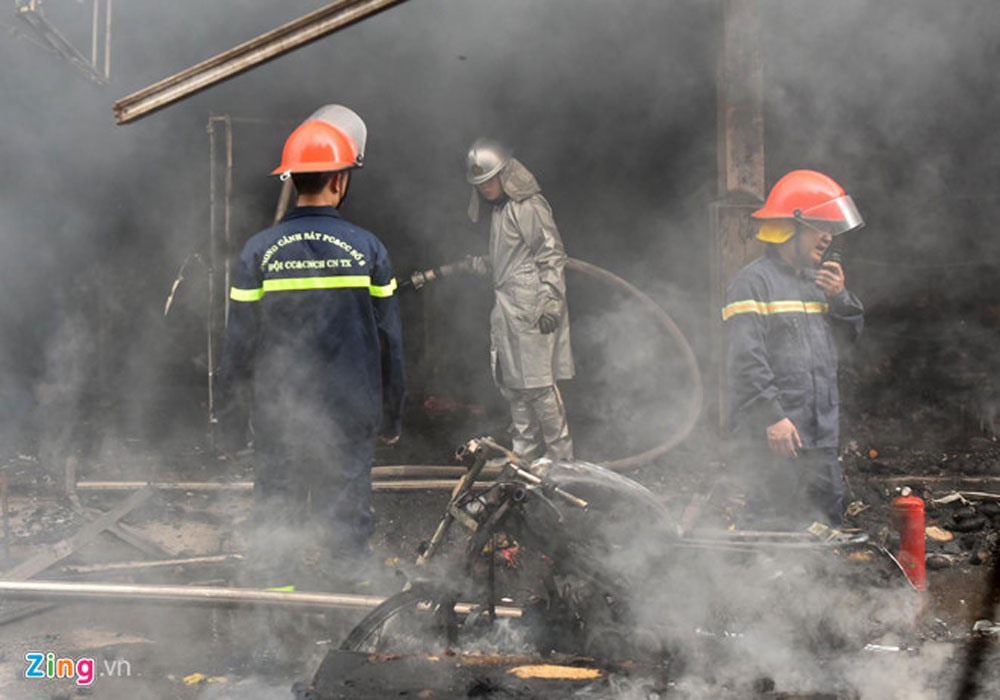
(538, 423)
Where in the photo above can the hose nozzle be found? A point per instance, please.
(420, 278)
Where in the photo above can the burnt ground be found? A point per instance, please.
(190, 651)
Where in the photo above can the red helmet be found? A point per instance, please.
(317, 146)
(810, 196)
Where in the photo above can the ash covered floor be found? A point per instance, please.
(814, 631)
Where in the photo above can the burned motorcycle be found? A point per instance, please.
(571, 563)
(547, 554)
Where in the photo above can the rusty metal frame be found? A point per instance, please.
(247, 55)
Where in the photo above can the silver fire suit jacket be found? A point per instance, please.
(782, 355)
(527, 261)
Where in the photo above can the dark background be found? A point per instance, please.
(611, 105)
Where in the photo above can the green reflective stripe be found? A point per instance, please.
(292, 284)
(385, 290)
(237, 294)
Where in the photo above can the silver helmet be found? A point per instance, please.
(485, 159)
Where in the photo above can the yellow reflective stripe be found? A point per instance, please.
(291, 284)
(383, 291)
(786, 307)
(749, 306)
(237, 294)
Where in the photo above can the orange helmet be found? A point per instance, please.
(317, 146)
(809, 197)
(348, 121)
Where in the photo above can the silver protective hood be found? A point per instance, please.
(517, 181)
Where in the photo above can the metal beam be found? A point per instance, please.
(250, 54)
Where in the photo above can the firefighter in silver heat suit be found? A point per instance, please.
(529, 324)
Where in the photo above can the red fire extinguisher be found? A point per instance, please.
(908, 520)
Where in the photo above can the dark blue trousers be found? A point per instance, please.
(793, 492)
(323, 489)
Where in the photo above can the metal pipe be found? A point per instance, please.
(227, 220)
(133, 565)
(420, 471)
(5, 508)
(95, 31)
(209, 595)
(247, 486)
(730, 535)
(250, 54)
(397, 471)
(212, 237)
(107, 40)
(120, 592)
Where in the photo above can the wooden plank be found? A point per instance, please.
(60, 550)
(143, 544)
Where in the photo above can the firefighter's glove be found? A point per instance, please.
(548, 323)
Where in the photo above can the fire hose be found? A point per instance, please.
(663, 321)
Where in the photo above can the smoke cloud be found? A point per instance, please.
(611, 105)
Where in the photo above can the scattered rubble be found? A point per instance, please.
(195, 534)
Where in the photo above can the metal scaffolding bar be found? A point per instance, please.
(250, 54)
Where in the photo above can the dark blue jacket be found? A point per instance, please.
(781, 358)
(314, 331)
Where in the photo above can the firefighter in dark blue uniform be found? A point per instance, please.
(782, 316)
(314, 340)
